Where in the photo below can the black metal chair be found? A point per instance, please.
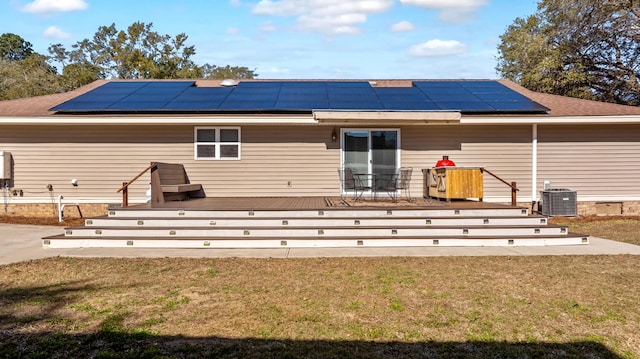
(352, 182)
(400, 181)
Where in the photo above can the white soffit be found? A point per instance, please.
(395, 117)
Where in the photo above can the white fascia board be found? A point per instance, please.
(392, 117)
(541, 120)
(163, 120)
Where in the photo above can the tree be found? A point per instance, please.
(14, 47)
(32, 76)
(135, 53)
(76, 75)
(227, 72)
(580, 48)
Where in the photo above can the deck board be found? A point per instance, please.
(310, 203)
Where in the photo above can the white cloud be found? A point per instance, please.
(403, 26)
(433, 48)
(325, 16)
(54, 6)
(54, 32)
(455, 11)
(233, 31)
(267, 27)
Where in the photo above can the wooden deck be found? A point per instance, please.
(310, 203)
(320, 222)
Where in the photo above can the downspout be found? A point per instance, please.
(534, 165)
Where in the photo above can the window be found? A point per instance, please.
(217, 143)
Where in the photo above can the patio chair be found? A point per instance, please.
(400, 181)
(351, 182)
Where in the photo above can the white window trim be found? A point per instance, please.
(217, 143)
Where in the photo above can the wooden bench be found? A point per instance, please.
(169, 182)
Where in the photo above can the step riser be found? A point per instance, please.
(328, 228)
(313, 232)
(352, 213)
(307, 243)
(315, 222)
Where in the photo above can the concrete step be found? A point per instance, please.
(288, 231)
(61, 241)
(314, 222)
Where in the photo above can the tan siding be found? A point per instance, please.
(102, 157)
(273, 157)
(593, 160)
(504, 150)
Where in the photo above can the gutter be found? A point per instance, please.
(150, 120)
(564, 120)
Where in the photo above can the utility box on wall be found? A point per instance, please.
(5, 166)
(559, 202)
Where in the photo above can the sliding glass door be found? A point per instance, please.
(371, 151)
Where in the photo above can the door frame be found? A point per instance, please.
(369, 143)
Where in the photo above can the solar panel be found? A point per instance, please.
(355, 105)
(303, 90)
(100, 98)
(517, 106)
(458, 96)
(79, 106)
(258, 85)
(301, 105)
(137, 106)
(302, 96)
(436, 84)
(203, 93)
(303, 84)
(169, 84)
(481, 84)
(465, 106)
(125, 84)
(149, 97)
(263, 105)
(505, 96)
(348, 84)
(203, 105)
(410, 106)
(263, 96)
(353, 97)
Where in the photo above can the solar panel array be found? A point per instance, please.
(300, 96)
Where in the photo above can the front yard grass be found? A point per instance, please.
(551, 307)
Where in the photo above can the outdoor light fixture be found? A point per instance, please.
(334, 135)
(74, 182)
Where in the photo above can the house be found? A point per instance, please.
(264, 138)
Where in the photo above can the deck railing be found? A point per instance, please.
(125, 185)
(512, 185)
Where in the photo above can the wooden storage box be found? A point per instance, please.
(454, 183)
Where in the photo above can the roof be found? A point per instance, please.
(561, 106)
(251, 97)
(558, 106)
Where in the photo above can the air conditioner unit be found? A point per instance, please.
(5, 165)
(559, 202)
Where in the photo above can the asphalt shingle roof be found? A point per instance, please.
(559, 106)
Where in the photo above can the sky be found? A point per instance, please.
(296, 39)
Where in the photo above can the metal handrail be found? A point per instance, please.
(125, 185)
(511, 185)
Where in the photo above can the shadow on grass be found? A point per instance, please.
(113, 340)
(119, 345)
